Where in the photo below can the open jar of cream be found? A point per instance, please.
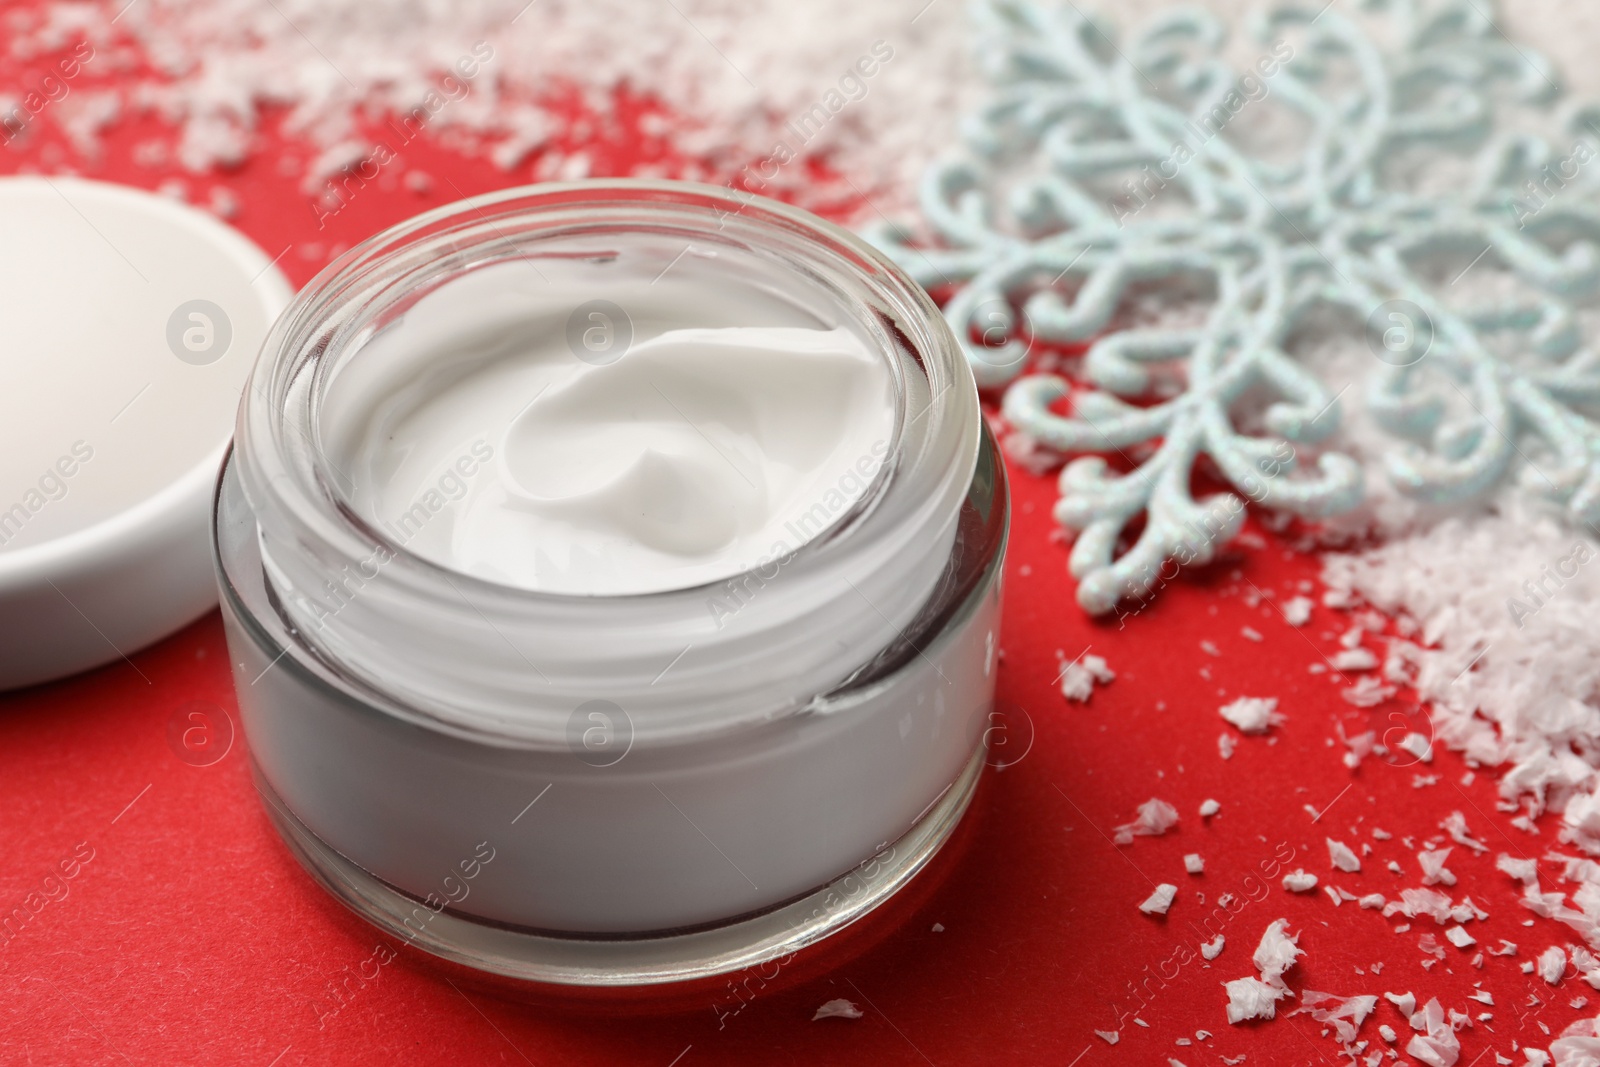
(611, 573)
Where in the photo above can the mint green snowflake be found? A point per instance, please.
(1105, 173)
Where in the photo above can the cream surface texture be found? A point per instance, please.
(515, 432)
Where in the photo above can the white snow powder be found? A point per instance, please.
(1298, 881)
(1354, 659)
(1344, 1014)
(1524, 870)
(1252, 715)
(739, 73)
(1079, 677)
(1159, 901)
(1257, 998)
(1251, 998)
(1435, 1042)
(1510, 683)
(1434, 872)
(1277, 951)
(837, 1009)
(1552, 964)
(1341, 857)
(1154, 818)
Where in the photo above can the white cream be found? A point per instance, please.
(697, 454)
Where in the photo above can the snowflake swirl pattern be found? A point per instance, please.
(1031, 248)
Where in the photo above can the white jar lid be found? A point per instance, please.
(130, 324)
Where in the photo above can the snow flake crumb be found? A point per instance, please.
(1079, 677)
(1434, 872)
(1251, 998)
(1297, 611)
(1277, 951)
(1406, 1002)
(1298, 881)
(1455, 824)
(1158, 902)
(1355, 659)
(1552, 964)
(1435, 1042)
(837, 1009)
(1252, 715)
(1341, 857)
(1344, 1014)
(1525, 871)
(1152, 819)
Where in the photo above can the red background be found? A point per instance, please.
(192, 937)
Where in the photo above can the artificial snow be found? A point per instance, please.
(1252, 715)
(1510, 680)
(1257, 998)
(1406, 1002)
(1251, 998)
(1525, 871)
(837, 1009)
(1344, 1014)
(1277, 951)
(488, 76)
(1435, 1043)
(1434, 872)
(1297, 611)
(1079, 677)
(1159, 901)
(1354, 659)
(1153, 818)
(1455, 824)
(1341, 857)
(1298, 881)
(1552, 964)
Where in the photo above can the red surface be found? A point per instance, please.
(190, 936)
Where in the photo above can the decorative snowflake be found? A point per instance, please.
(1103, 175)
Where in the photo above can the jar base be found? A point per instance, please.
(624, 962)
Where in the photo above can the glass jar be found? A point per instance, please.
(621, 789)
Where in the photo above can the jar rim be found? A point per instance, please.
(308, 532)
